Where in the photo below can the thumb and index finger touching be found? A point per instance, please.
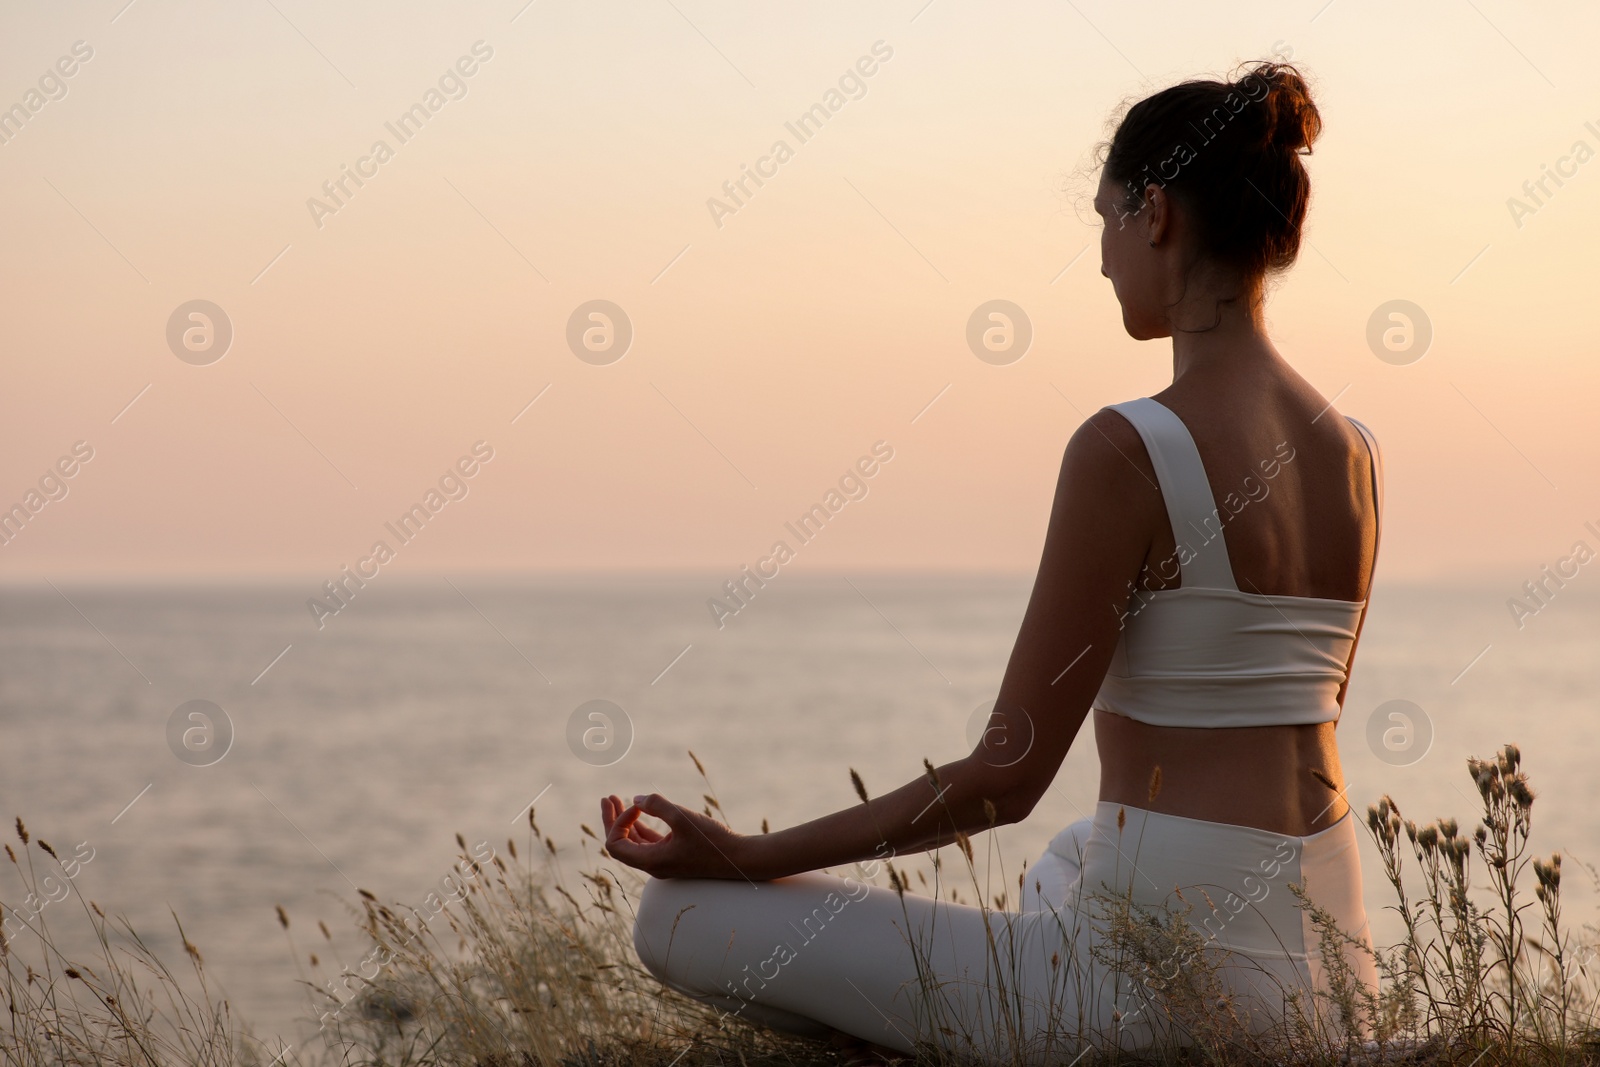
(662, 808)
(620, 819)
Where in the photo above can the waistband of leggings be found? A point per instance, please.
(1106, 811)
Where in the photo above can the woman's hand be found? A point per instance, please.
(695, 845)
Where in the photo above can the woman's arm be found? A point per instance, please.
(1095, 547)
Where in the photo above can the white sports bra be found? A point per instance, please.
(1207, 654)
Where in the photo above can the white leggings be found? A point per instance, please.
(816, 953)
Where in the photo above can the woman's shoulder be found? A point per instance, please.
(1107, 455)
(1107, 435)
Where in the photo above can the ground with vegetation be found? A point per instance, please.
(526, 968)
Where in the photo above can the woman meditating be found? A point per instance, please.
(1203, 582)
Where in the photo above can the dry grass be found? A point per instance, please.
(522, 969)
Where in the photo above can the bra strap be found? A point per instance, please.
(1376, 459)
(1196, 522)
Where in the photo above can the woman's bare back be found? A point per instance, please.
(1293, 485)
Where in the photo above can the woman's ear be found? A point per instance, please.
(1157, 213)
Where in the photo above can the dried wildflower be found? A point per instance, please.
(368, 895)
(989, 811)
(11, 854)
(585, 828)
(72, 973)
(764, 828)
(1155, 785)
(1548, 874)
(860, 787)
(22, 831)
(1122, 818)
(283, 916)
(324, 928)
(1484, 774)
(696, 760)
(1316, 772)
(511, 847)
(45, 846)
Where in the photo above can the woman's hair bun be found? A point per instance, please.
(1231, 152)
(1292, 120)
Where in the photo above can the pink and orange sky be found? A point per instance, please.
(376, 340)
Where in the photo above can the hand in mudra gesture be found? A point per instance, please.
(694, 846)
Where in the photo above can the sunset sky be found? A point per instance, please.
(378, 338)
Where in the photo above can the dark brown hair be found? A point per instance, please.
(1229, 152)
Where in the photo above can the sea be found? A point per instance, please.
(209, 753)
